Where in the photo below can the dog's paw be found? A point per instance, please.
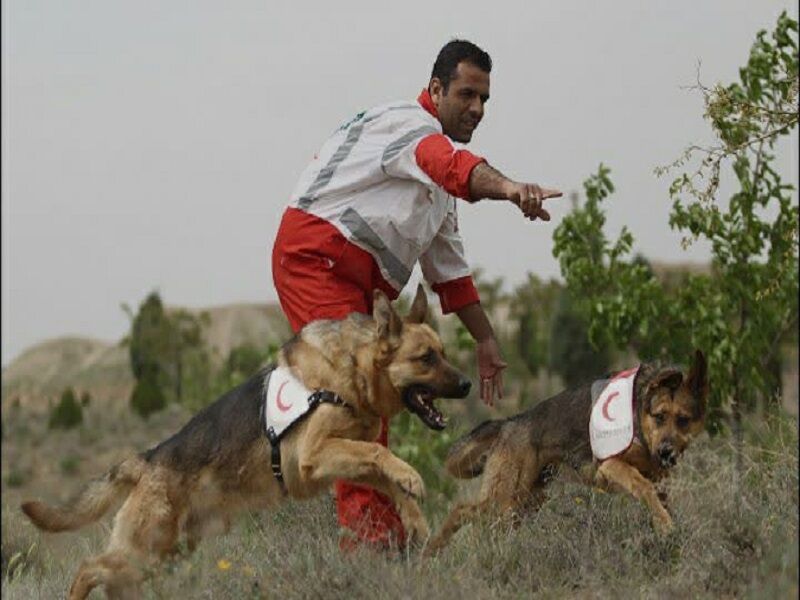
(410, 482)
(414, 522)
(417, 530)
(662, 523)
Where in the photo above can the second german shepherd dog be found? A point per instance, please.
(518, 456)
(219, 463)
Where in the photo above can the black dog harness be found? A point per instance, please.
(274, 437)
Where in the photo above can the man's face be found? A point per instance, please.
(461, 108)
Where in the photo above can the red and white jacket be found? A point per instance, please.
(387, 181)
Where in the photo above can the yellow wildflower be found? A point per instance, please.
(223, 565)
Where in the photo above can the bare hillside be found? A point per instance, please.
(40, 373)
(236, 324)
(102, 368)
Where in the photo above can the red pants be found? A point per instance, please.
(316, 284)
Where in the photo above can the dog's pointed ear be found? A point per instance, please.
(419, 308)
(387, 322)
(669, 378)
(697, 381)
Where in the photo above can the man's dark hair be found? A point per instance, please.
(454, 52)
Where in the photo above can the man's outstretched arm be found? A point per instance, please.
(466, 175)
(487, 182)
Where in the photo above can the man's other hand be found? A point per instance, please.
(529, 197)
(490, 370)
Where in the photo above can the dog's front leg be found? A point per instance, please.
(616, 471)
(362, 462)
(373, 465)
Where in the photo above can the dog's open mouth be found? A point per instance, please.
(419, 400)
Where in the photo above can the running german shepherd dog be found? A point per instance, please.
(519, 455)
(220, 462)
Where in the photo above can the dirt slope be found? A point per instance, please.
(40, 374)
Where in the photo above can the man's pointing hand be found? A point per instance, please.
(529, 197)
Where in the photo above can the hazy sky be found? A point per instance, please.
(153, 145)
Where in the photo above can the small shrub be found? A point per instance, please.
(67, 413)
(16, 478)
(86, 399)
(244, 360)
(69, 464)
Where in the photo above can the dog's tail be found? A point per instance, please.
(91, 503)
(467, 457)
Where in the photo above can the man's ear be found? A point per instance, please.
(419, 308)
(436, 90)
(388, 324)
(697, 381)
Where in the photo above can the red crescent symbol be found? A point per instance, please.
(282, 407)
(604, 409)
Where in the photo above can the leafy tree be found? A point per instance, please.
(571, 354)
(532, 307)
(620, 298)
(148, 341)
(148, 395)
(168, 351)
(149, 351)
(740, 312)
(754, 239)
(185, 336)
(67, 413)
(529, 345)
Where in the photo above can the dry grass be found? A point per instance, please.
(730, 539)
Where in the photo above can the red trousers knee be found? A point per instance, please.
(310, 286)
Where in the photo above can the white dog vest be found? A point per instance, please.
(611, 424)
(286, 403)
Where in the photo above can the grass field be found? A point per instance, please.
(733, 537)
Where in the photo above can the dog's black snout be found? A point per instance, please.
(464, 386)
(666, 454)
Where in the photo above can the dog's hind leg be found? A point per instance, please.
(145, 530)
(509, 488)
(149, 522)
(500, 494)
(112, 569)
(199, 526)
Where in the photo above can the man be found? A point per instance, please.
(380, 195)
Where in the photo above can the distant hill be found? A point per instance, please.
(44, 370)
(236, 324)
(102, 368)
